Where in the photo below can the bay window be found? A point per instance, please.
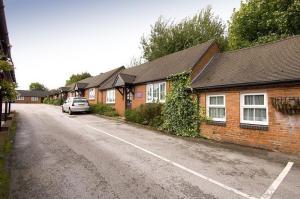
(110, 96)
(215, 107)
(156, 92)
(254, 108)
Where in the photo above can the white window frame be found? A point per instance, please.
(110, 96)
(20, 98)
(208, 105)
(93, 96)
(34, 99)
(150, 91)
(243, 106)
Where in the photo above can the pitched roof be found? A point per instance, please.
(269, 63)
(95, 81)
(170, 64)
(101, 78)
(28, 93)
(110, 82)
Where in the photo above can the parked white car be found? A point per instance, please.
(75, 104)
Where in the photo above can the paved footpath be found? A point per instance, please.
(84, 156)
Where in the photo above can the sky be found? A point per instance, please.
(52, 39)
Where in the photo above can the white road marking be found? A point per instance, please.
(177, 165)
(271, 190)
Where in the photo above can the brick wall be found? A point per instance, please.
(119, 103)
(86, 95)
(27, 100)
(139, 96)
(283, 132)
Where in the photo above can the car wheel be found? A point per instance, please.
(62, 109)
(70, 112)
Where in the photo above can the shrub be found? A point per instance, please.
(56, 102)
(180, 111)
(103, 109)
(146, 114)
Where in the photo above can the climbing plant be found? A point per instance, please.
(8, 90)
(5, 66)
(180, 111)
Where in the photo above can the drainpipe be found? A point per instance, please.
(9, 107)
(5, 109)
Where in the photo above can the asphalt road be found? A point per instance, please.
(85, 156)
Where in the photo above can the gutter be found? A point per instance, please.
(296, 81)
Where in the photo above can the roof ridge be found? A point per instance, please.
(264, 44)
(208, 41)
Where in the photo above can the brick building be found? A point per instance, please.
(147, 83)
(252, 96)
(30, 97)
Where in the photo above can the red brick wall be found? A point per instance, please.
(100, 96)
(283, 132)
(27, 100)
(119, 103)
(139, 96)
(86, 95)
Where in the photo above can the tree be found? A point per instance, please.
(77, 77)
(168, 37)
(260, 21)
(36, 86)
(135, 61)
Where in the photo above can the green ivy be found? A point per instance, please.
(5, 65)
(8, 90)
(180, 112)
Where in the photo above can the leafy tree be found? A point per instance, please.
(135, 61)
(77, 77)
(36, 86)
(261, 21)
(180, 111)
(168, 37)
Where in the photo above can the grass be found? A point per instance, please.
(5, 150)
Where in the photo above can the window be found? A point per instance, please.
(254, 108)
(156, 92)
(20, 98)
(92, 93)
(110, 96)
(215, 107)
(34, 99)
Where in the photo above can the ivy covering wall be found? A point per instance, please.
(180, 111)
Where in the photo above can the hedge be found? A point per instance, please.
(146, 114)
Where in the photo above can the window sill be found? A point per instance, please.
(254, 126)
(216, 123)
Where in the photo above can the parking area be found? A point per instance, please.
(95, 157)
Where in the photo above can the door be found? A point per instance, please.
(128, 99)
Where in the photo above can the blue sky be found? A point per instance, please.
(52, 39)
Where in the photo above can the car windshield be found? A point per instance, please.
(80, 101)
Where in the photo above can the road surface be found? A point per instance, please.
(85, 156)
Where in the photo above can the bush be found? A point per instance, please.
(146, 114)
(103, 109)
(56, 102)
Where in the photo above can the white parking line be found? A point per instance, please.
(271, 190)
(267, 195)
(177, 165)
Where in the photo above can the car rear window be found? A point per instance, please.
(80, 101)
